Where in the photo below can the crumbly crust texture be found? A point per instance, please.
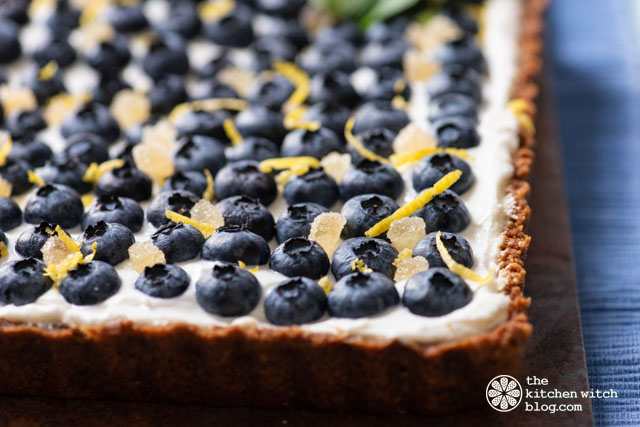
(234, 366)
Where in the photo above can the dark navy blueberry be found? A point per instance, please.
(178, 201)
(233, 30)
(296, 220)
(260, 121)
(113, 209)
(90, 283)
(245, 178)
(233, 244)
(54, 203)
(364, 211)
(453, 104)
(248, 212)
(430, 169)
(270, 92)
(92, 118)
(167, 56)
(192, 181)
(179, 242)
(31, 150)
(371, 176)
(87, 148)
(436, 292)
(10, 47)
(30, 242)
(283, 8)
(227, 290)
(332, 116)
(300, 256)
(464, 52)
(15, 10)
(182, 20)
(166, 94)
(163, 281)
(43, 89)
(57, 49)
(206, 123)
(113, 241)
(379, 114)
(384, 86)
(303, 142)
(325, 57)
(128, 19)
(377, 254)
(455, 80)
(295, 301)
(25, 123)
(446, 212)
(127, 181)
(314, 186)
(64, 19)
(362, 295)
(109, 57)
(66, 171)
(197, 153)
(457, 246)
(107, 87)
(378, 140)
(384, 53)
(211, 69)
(22, 282)
(333, 87)
(462, 19)
(383, 31)
(291, 29)
(212, 88)
(17, 173)
(270, 48)
(347, 32)
(456, 132)
(252, 148)
(10, 214)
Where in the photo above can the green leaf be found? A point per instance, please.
(384, 9)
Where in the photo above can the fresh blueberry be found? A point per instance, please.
(371, 176)
(25, 123)
(283, 8)
(107, 87)
(126, 181)
(113, 241)
(182, 20)
(378, 140)
(227, 290)
(270, 92)
(15, 10)
(453, 104)
(314, 186)
(233, 244)
(163, 281)
(197, 153)
(87, 148)
(205, 123)
(300, 256)
(291, 29)
(31, 150)
(210, 69)
(64, 18)
(54, 203)
(179, 201)
(30, 242)
(128, 19)
(90, 283)
(456, 132)
(179, 242)
(56, 49)
(296, 220)
(10, 47)
(464, 52)
(17, 173)
(192, 181)
(262, 122)
(22, 282)
(212, 88)
(268, 49)
(364, 211)
(113, 209)
(66, 171)
(10, 214)
(166, 93)
(43, 89)
(362, 295)
(455, 80)
(245, 178)
(383, 86)
(384, 53)
(377, 254)
(334, 87)
(430, 169)
(233, 30)
(347, 32)
(167, 56)
(321, 57)
(462, 19)
(446, 212)
(379, 114)
(383, 31)
(457, 246)
(248, 212)
(92, 118)
(332, 116)
(109, 57)
(295, 301)
(436, 292)
(303, 142)
(252, 148)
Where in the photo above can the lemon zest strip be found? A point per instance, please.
(282, 163)
(250, 270)
(47, 72)
(3, 250)
(87, 199)
(209, 192)
(35, 179)
(91, 12)
(521, 110)
(418, 202)
(325, 284)
(206, 229)
(209, 104)
(6, 147)
(300, 80)
(232, 132)
(357, 145)
(460, 269)
(67, 240)
(293, 120)
(398, 160)
(358, 264)
(212, 11)
(95, 171)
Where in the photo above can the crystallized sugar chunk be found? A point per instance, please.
(205, 212)
(145, 254)
(412, 138)
(162, 134)
(404, 233)
(54, 251)
(326, 229)
(336, 164)
(155, 162)
(130, 107)
(408, 267)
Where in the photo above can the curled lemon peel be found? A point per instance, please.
(282, 163)
(209, 104)
(414, 205)
(95, 170)
(357, 145)
(325, 284)
(93, 10)
(406, 253)
(5, 188)
(521, 109)
(67, 240)
(398, 160)
(232, 132)
(213, 11)
(293, 120)
(47, 72)
(35, 179)
(209, 192)
(399, 86)
(459, 269)
(3, 250)
(58, 271)
(298, 78)
(87, 199)
(7, 142)
(358, 264)
(206, 229)
(243, 265)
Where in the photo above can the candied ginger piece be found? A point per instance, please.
(206, 212)
(336, 164)
(326, 229)
(162, 134)
(411, 138)
(405, 232)
(438, 30)
(145, 254)
(419, 66)
(55, 251)
(130, 107)
(408, 267)
(237, 79)
(155, 162)
(16, 98)
(5, 188)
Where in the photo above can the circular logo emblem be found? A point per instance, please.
(504, 393)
